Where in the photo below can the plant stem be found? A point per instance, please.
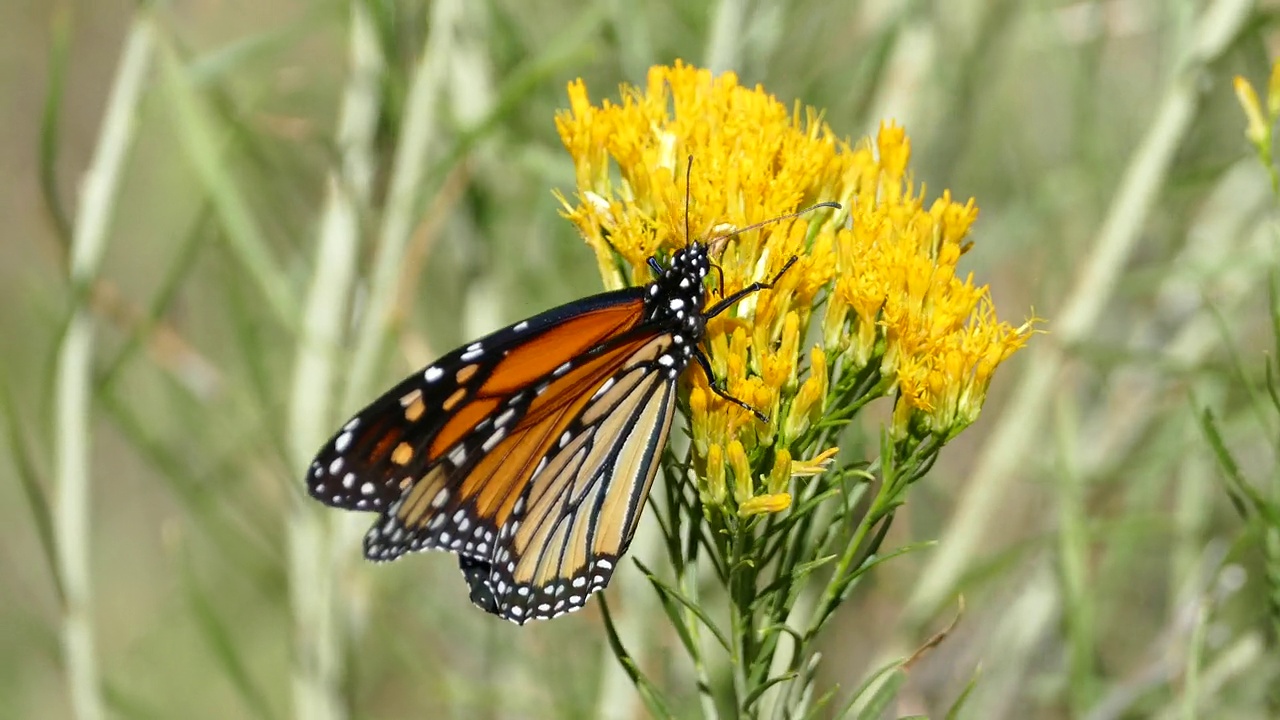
(315, 597)
(1019, 425)
(404, 195)
(72, 411)
(740, 623)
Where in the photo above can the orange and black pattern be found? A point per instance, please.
(530, 452)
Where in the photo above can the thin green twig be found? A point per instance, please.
(72, 407)
(1014, 436)
(318, 637)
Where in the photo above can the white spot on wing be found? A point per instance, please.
(473, 352)
(432, 374)
(493, 440)
(603, 389)
(458, 455)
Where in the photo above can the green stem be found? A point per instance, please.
(688, 584)
(72, 392)
(889, 489)
(409, 170)
(1098, 282)
(313, 584)
(740, 621)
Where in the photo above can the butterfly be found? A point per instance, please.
(530, 452)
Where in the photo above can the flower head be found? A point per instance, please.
(885, 267)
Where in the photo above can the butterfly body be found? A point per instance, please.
(530, 452)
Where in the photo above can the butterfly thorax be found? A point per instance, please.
(674, 301)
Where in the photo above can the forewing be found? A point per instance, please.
(402, 438)
(469, 502)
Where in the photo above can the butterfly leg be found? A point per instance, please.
(754, 287)
(715, 386)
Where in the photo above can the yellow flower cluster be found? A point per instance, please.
(885, 265)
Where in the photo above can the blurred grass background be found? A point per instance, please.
(177, 339)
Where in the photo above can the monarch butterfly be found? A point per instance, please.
(530, 452)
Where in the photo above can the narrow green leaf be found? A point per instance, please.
(648, 693)
(760, 689)
(665, 589)
(224, 648)
(32, 487)
(1238, 486)
(953, 713)
(877, 560)
(1273, 309)
(204, 144)
(1272, 391)
(874, 683)
(677, 620)
(815, 710)
(51, 127)
(884, 695)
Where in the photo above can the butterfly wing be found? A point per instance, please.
(541, 515)
(400, 437)
(582, 505)
(529, 453)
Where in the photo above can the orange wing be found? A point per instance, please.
(429, 424)
(542, 515)
(474, 492)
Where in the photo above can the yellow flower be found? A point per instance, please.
(1258, 129)
(810, 400)
(743, 482)
(815, 466)
(714, 489)
(768, 503)
(884, 266)
(1273, 92)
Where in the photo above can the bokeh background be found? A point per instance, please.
(1084, 521)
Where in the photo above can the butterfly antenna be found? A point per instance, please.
(688, 178)
(716, 243)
